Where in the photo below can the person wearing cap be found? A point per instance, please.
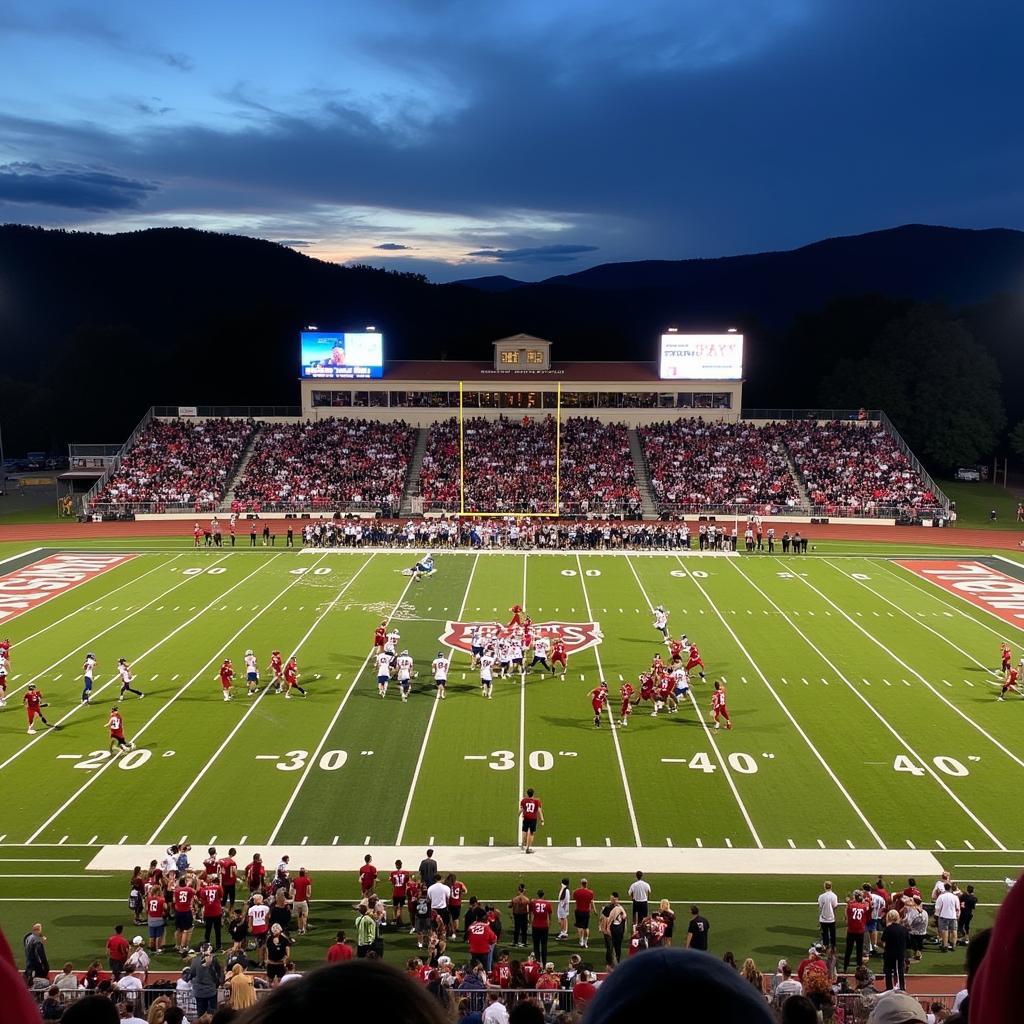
(138, 959)
(897, 1008)
(205, 978)
(812, 962)
(549, 981)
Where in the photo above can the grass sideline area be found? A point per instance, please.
(975, 501)
(807, 647)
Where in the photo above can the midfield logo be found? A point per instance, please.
(578, 636)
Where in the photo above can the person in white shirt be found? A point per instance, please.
(639, 893)
(439, 894)
(564, 896)
(495, 1013)
(947, 910)
(404, 665)
(827, 903)
(440, 669)
(487, 672)
(661, 622)
(383, 672)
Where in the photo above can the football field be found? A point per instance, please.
(863, 697)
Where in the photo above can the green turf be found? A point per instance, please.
(841, 669)
(975, 502)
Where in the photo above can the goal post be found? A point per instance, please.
(553, 514)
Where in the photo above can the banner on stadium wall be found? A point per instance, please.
(188, 410)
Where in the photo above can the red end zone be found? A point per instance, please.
(980, 584)
(27, 588)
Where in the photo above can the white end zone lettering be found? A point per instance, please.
(980, 584)
(33, 585)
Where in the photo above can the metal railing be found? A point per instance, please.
(230, 412)
(111, 469)
(824, 415)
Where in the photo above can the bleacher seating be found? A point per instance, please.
(179, 462)
(696, 462)
(331, 463)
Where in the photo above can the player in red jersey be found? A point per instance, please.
(156, 911)
(116, 726)
(367, 876)
(559, 656)
(540, 927)
(399, 879)
(227, 675)
(277, 667)
(34, 703)
(211, 898)
(291, 678)
(531, 810)
(517, 611)
(664, 695)
(5, 647)
(598, 699)
(694, 659)
(209, 863)
(380, 637)
(718, 708)
(1010, 683)
(1007, 656)
(647, 688)
(229, 876)
(4, 669)
(184, 922)
(197, 535)
(657, 664)
(675, 650)
(626, 694)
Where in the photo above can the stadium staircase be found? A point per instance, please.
(229, 494)
(412, 480)
(805, 497)
(643, 478)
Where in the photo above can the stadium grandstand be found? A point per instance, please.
(519, 434)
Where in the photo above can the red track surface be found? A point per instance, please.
(1001, 539)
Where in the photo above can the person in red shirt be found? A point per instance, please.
(626, 692)
(531, 970)
(291, 678)
(647, 685)
(531, 809)
(598, 699)
(501, 973)
(399, 880)
(558, 655)
(665, 696)
(718, 708)
(209, 863)
(277, 667)
(1009, 683)
(227, 674)
(458, 891)
(540, 926)
(211, 896)
(911, 889)
(341, 951)
(516, 611)
(255, 873)
(227, 868)
(858, 911)
(302, 886)
(116, 726)
(694, 659)
(1006, 655)
(197, 533)
(675, 650)
(117, 951)
(156, 910)
(583, 897)
(583, 991)
(380, 637)
(367, 876)
(812, 962)
(481, 939)
(34, 703)
(183, 897)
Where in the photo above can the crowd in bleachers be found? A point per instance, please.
(179, 462)
(848, 466)
(510, 465)
(327, 464)
(698, 462)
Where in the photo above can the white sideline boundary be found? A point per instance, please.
(583, 859)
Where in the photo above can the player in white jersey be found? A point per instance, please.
(661, 622)
(504, 656)
(487, 672)
(252, 673)
(440, 670)
(88, 671)
(476, 644)
(541, 646)
(515, 650)
(124, 670)
(682, 681)
(404, 666)
(391, 643)
(5, 668)
(383, 673)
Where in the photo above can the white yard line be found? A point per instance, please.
(925, 764)
(522, 723)
(113, 760)
(78, 706)
(796, 725)
(913, 618)
(723, 764)
(433, 712)
(611, 714)
(114, 625)
(252, 707)
(935, 593)
(330, 726)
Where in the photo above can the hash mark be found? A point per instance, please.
(849, 843)
(366, 841)
(728, 842)
(821, 844)
(792, 845)
(699, 843)
(335, 841)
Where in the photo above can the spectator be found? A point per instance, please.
(495, 1012)
(241, 991)
(697, 931)
(752, 974)
(896, 1008)
(67, 980)
(894, 945)
(118, 951)
(799, 1010)
(96, 1010)
(787, 986)
(206, 977)
(36, 963)
(340, 951)
(52, 1007)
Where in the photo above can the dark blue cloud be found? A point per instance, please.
(535, 254)
(392, 246)
(82, 188)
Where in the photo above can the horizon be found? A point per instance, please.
(458, 142)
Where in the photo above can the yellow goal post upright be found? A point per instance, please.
(558, 459)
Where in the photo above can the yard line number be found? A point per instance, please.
(586, 572)
(505, 760)
(945, 764)
(739, 762)
(133, 759)
(214, 570)
(294, 760)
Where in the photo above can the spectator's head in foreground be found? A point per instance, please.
(896, 1008)
(357, 984)
(644, 985)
